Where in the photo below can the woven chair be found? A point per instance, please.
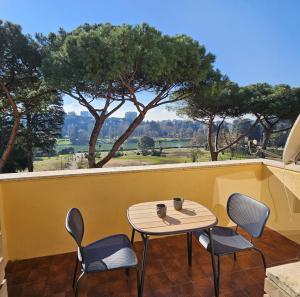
(249, 215)
(110, 253)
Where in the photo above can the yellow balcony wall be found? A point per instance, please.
(35, 204)
(3, 246)
(281, 191)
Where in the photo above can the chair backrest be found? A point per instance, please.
(75, 225)
(248, 213)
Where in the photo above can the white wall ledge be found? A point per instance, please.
(145, 168)
(280, 164)
(125, 169)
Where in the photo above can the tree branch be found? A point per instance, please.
(158, 97)
(139, 106)
(82, 101)
(282, 130)
(115, 109)
(13, 134)
(240, 137)
(179, 98)
(217, 133)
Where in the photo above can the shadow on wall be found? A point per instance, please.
(246, 180)
(280, 190)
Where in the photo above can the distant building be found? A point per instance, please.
(130, 115)
(85, 114)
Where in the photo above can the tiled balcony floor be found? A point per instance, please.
(167, 275)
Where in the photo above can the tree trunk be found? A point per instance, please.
(15, 128)
(214, 156)
(93, 142)
(10, 144)
(121, 139)
(213, 153)
(29, 143)
(266, 138)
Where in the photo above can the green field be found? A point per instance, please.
(130, 158)
(107, 144)
(174, 151)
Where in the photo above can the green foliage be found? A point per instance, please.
(211, 102)
(93, 57)
(115, 64)
(145, 144)
(216, 96)
(273, 102)
(24, 94)
(118, 154)
(240, 126)
(20, 58)
(43, 125)
(66, 151)
(272, 105)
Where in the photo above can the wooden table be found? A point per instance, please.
(193, 216)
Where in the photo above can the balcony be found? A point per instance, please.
(39, 251)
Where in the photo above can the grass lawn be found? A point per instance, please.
(52, 163)
(172, 156)
(155, 160)
(106, 144)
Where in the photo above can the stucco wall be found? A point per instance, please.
(35, 205)
(280, 190)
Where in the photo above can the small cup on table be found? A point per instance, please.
(161, 210)
(178, 202)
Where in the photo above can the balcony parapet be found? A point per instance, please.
(128, 169)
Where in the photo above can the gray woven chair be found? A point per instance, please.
(249, 215)
(109, 253)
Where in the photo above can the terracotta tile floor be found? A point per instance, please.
(167, 275)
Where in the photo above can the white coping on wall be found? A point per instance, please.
(280, 164)
(125, 169)
(128, 169)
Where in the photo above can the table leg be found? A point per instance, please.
(189, 237)
(213, 263)
(144, 262)
(132, 236)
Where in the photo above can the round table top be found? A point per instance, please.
(191, 217)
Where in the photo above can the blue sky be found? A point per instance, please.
(254, 41)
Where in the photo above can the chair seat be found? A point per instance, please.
(226, 240)
(109, 253)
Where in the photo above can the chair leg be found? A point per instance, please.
(262, 256)
(138, 281)
(77, 284)
(212, 254)
(234, 256)
(219, 273)
(132, 241)
(75, 272)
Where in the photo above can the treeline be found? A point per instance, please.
(275, 108)
(78, 128)
(104, 67)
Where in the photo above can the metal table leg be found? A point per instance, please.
(213, 263)
(144, 262)
(189, 237)
(132, 236)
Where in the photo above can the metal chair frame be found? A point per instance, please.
(242, 250)
(80, 259)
